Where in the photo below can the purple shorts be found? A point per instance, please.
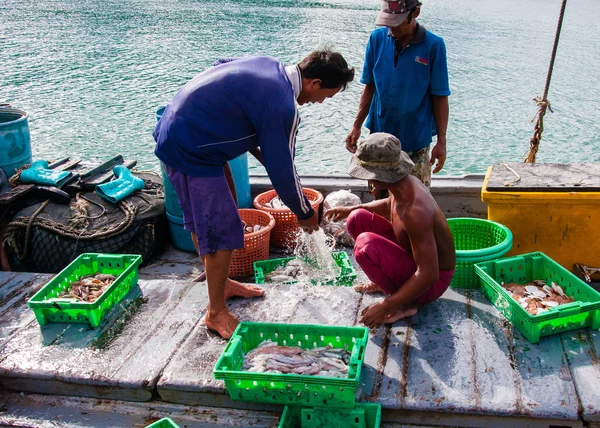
(208, 210)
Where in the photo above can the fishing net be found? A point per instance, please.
(47, 236)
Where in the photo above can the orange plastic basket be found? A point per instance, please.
(283, 234)
(256, 244)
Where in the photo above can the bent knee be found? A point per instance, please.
(357, 220)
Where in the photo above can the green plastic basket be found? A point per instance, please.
(345, 278)
(584, 312)
(293, 389)
(476, 240)
(123, 266)
(163, 423)
(364, 415)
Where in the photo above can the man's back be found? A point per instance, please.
(418, 209)
(215, 116)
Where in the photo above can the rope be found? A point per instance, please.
(511, 183)
(22, 256)
(542, 102)
(114, 229)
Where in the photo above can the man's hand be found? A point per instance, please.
(352, 139)
(311, 224)
(439, 153)
(338, 213)
(375, 315)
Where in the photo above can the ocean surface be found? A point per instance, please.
(91, 73)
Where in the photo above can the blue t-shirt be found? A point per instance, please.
(238, 105)
(402, 105)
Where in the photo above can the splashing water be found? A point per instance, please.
(314, 252)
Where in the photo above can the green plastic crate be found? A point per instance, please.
(123, 266)
(163, 423)
(345, 278)
(584, 312)
(314, 391)
(476, 240)
(364, 415)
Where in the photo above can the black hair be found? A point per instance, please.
(412, 11)
(329, 66)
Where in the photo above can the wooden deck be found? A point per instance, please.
(458, 362)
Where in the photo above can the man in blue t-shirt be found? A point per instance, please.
(239, 105)
(406, 86)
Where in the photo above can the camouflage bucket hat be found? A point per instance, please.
(380, 157)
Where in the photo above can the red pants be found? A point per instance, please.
(383, 260)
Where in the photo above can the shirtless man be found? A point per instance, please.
(411, 256)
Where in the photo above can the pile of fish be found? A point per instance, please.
(292, 271)
(276, 203)
(251, 229)
(269, 357)
(537, 297)
(88, 288)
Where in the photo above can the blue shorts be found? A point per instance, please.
(208, 210)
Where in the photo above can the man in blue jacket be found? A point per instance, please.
(239, 105)
(406, 86)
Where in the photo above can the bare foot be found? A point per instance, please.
(236, 289)
(367, 287)
(401, 313)
(224, 322)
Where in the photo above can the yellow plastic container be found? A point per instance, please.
(563, 225)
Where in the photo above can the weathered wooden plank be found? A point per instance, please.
(582, 348)
(173, 264)
(326, 305)
(15, 290)
(440, 357)
(375, 354)
(122, 359)
(44, 411)
(547, 389)
(494, 379)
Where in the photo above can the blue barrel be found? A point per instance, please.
(15, 140)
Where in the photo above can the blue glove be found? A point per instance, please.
(38, 173)
(125, 184)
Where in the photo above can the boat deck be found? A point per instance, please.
(457, 362)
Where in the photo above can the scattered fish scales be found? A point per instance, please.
(269, 357)
(88, 288)
(537, 297)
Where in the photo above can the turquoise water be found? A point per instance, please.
(92, 73)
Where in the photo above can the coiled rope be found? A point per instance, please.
(542, 102)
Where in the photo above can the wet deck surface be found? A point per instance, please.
(456, 362)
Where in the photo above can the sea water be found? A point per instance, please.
(91, 74)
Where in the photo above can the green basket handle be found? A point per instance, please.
(357, 354)
(233, 348)
(572, 308)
